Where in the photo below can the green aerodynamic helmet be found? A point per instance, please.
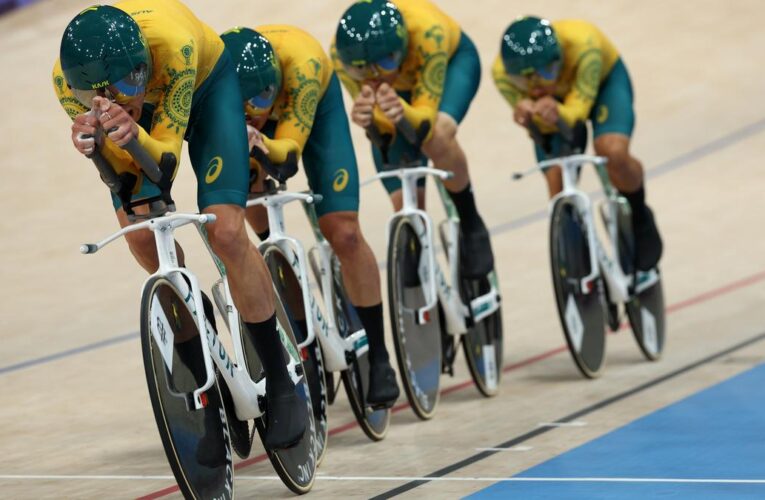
(256, 63)
(530, 46)
(372, 32)
(104, 52)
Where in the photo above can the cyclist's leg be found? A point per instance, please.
(613, 119)
(141, 243)
(553, 176)
(400, 152)
(463, 76)
(218, 153)
(330, 164)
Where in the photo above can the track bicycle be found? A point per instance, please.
(342, 342)
(202, 399)
(429, 315)
(592, 280)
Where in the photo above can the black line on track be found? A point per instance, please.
(568, 418)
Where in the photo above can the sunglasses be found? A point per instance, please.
(121, 92)
(538, 77)
(383, 67)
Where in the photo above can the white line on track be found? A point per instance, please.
(576, 423)
(322, 477)
(514, 448)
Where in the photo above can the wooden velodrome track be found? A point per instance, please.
(76, 420)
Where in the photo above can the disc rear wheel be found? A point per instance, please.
(418, 346)
(196, 441)
(288, 288)
(581, 312)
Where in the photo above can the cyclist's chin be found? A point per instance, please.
(539, 92)
(376, 82)
(257, 121)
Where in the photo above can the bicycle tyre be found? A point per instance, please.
(418, 347)
(287, 286)
(482, 343)
(182, 430)
(295, 466)
(645, 309)
(373, 421)
(582, 315)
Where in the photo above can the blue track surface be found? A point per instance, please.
(717, 434)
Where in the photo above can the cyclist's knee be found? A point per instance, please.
(443, 138)
(344, 235)
(142, 246)
(615, 147)
(227, 234)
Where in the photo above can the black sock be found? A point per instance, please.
(269, 347)
(264, 235)
(464, 202)
(637, 204)
(372, 320)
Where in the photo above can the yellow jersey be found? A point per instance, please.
(184, 52)
(588, 57)
(306, 73)
(433, 39)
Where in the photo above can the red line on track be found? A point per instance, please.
(698, 299)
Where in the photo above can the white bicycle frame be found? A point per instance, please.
(435, 287)
(336, 350)
(244, 390)
(619, 285)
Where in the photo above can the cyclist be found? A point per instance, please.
(294, 107)
(569, 70)
(407, 61)
(154, 72)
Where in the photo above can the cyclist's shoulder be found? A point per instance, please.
(169, 27)
(422, 17)
(578, 33)
(292, 41)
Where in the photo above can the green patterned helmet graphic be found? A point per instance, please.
(529, 45)
(102, 46)
(370, 31)
(256, 63)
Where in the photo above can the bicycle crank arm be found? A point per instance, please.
(485, 305)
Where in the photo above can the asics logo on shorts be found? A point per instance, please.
(214, 169)
(341, 180)
(602, 113)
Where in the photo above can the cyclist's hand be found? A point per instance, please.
(390, 103)
(363, 107)
(118, 124)
(547, 110)
(255, 139)
(84, 131)
(523, 111)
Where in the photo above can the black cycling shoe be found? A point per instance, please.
(286, 414)
(383, 389)
(476, 257)
(648, 244)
